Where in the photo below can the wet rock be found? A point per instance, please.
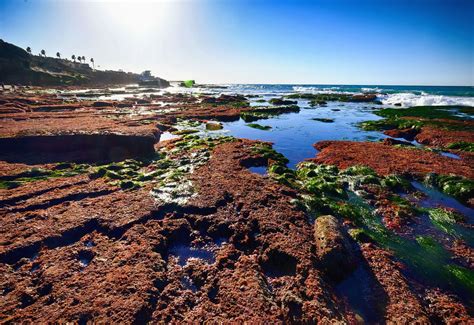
(333, 247)
(390, 159)
(363, 98)
(211, 126)
(407, 134)
(324, 120)
(445, 308)
(280, 101)
(393, 142)
(102, 104)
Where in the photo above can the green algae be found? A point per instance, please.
(398, 118)
(184, 132)
(428, 112)
(214, 126)
(396, 182)
(325, 189)
(456, 186)
(266, 151)
(461, 145)
(39, 174)
(265, 112)
(463, 276)
(390, 123)
(259, 127)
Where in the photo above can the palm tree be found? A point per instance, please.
(79, 58)
(73, 57)
(28, 49)
(58, 55)
(92, 61)
(83, 58)
(43, 53)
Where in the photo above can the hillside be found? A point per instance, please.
(19, 67)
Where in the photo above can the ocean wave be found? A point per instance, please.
(322, 90)
(424, 99)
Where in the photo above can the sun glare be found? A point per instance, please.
(138, 18)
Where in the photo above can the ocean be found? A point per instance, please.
(389, 95)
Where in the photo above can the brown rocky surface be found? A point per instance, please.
(403, 306)
(75, 249)
(79, 248)
(387, 159)
(437, 137)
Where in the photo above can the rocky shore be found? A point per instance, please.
(121, 211)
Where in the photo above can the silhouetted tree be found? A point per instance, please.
(28, 49)
(73, 57)
(58, 55)
(79, 58)
(43, 52)
(92, 61)
(83, 59)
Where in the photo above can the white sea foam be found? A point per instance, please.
(410, 99)
(320, 90)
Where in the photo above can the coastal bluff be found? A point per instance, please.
(19, 67)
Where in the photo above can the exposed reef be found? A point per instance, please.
(145, 209)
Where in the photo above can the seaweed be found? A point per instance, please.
(259, 127)
(39, 174)
(461, 145)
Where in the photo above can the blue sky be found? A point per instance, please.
(429, 42)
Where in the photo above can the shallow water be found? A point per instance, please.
(435, 198)
(262, 170)
(294, 134)
(184, 252)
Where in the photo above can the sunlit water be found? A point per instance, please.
(294, 134)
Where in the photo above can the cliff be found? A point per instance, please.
(19, 67)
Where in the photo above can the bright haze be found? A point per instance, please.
(405, 42)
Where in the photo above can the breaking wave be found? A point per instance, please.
(409, 99)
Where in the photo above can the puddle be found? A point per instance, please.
(279, 264)
(185, 252)
(449, 155)
(168, 136)
(188, 284)
(89, 243)
(262, 170)
(435, 198)
(85, 257)
(357, 289)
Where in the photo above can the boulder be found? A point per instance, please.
(333, 248)
(392, 142)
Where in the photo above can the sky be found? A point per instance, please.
(364, 42)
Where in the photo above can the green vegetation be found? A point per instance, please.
(461, 145)
(462, 275)
(396, 182)
(260, 127)
(457, 186)
(418, 116)
(259, 113)
(38, 174)
(428, 112)
(184, 132)
(214, 126)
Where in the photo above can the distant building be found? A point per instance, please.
(146, 76)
